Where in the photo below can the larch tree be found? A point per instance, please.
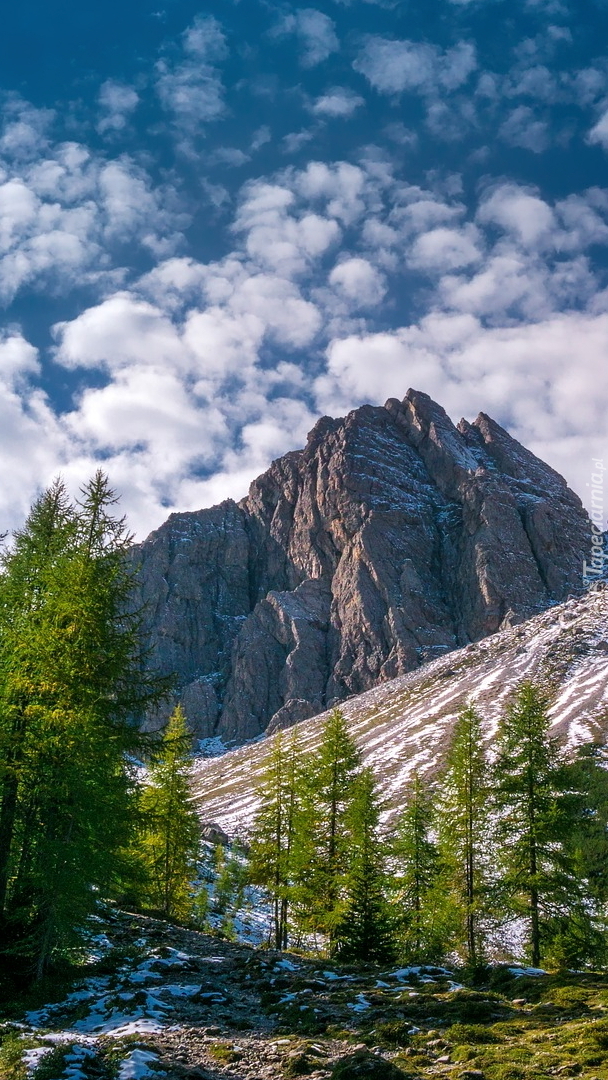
(170, 841)
(277, 830)
(366, 930)
(417, 883)
(535, 820)
(71, 681)
(326, 840)
(464, 830)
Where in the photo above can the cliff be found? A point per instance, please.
(392, 538)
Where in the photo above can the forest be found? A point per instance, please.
(501, 854)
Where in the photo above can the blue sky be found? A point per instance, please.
(219, 222)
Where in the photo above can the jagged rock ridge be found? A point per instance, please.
(390, 539)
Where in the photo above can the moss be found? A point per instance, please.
(598, 1034)
(393, 1033)
(299, 1065)
(365, 1066)
(472, 1033)
(12, 1050)
(224, 1053)
(52, 1064)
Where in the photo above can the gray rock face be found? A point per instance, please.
(391, 538)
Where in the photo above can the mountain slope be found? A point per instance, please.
(406, 723)
(391, 539)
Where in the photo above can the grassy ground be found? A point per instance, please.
(246, 1014)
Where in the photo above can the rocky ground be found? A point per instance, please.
(159, 1002)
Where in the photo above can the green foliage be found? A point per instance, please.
(464, 833)
(230, 878)
(472, 1033)
(537, 818)
(419, 891)
(71, 679)
(170, 838)
(325, 842)
(279, 830)
(366, 929)
(13, 1047)
(200, 908)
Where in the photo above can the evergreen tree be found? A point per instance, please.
(463, 828)
(28, 573)
(535, 821)
(277, 829)
(586, 778)
(70, 681)
(418, 888)
(325, 839)
(171, 838)
(366, 928)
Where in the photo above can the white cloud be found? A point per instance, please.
(521, 375)
(599, 132)
(191, 89)
(260, 138)
(18, 359)
(445, 249)
(117, 333)
(278, 239)
(117, 102)
(397, 66)
(359, 282)
(520, 212)
(25, 130)
(523, 128)
(342, 188)
(316, 34)
(66, 214)
(339, 102)
(295, 140)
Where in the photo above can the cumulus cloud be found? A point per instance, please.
(522, 375)
(518, 211)
(190, 88)
(277, 238)
(445, 249)
(339, 102)
(117, 102)
(316, 34)
(395, 66)
(523, 128)
(25, 130)
(66, 213)
(599, 132)
(358, 281)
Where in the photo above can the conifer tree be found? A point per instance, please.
(419, 894)
(171, 837)
(70, 681)
(366, 929)
(586, 778)
(535, 820)
(463, 829)
(277, 829)
(29, 571)
(325, 848)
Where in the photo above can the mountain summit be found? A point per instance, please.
(392, 538)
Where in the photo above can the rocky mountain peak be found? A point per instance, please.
(393, 537)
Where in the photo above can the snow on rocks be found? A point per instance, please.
(224, 1009)
(137, 1066)
(532, 972)
(32, 1058)
(405, 724)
